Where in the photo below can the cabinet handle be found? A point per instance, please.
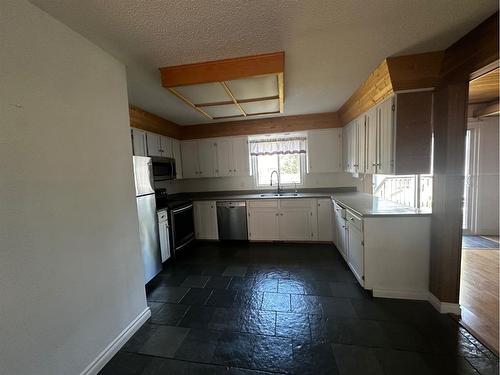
(234, 170)
(281, 214)
(277, 214)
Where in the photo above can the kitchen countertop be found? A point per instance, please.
(368, 205)
(361, 203)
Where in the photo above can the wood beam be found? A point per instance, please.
(223, 70)
(230, 102)
(228, 92)
(189, 103)
(281, 124)
(144, 120)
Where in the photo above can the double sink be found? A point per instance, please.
(278, 195)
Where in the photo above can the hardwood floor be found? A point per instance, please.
(479, 294)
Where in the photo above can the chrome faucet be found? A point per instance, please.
(278, 178)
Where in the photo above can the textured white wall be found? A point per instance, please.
(71, 277)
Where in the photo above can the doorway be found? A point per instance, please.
(479, 283)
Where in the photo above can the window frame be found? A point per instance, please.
(255, 173)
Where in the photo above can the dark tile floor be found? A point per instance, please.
(288, 308)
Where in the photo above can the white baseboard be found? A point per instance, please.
(100, 361)
(444, 307)
(401, 294)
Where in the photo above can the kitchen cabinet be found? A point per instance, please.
(282, 219)
(340, 229)
(176, 153)
(139, 145)
(159, 145)
(355, 256)
(232, 157)
(263, 220)
(324, 150)
(325, 222)
(164, 236)
(205, 220)
(396, 138)
(297, 219)
(198, 158)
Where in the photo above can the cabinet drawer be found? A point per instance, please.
(297, 203)
(339, 210)
(354, 220)
(263, 203)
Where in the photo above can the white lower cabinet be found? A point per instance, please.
(282, 219)
(325, 223)
(355, 256)
(164, 237)
(340, 230)
(205, 220)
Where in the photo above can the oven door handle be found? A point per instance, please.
(178, 210)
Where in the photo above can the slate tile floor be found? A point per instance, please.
(288, 308)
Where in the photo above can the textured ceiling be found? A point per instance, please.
(330, 45)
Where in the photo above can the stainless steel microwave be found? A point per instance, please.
(163, 168)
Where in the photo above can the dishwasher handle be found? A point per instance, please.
(228, 204)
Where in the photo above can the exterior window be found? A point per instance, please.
(289, 168)
(411, 191)
(285, 155)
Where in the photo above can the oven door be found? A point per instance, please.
(181, 226)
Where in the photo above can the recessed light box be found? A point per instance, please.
(204, 93)
(254, 87)
(223, 111)
(261, 107)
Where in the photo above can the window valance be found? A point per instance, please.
(278, 146)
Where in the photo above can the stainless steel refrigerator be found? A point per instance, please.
(146, 209)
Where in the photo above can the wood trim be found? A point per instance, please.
(281, 92)
(376, 88)
(401, 73)
(472, 52)
(413, 72)
(233, 98)
(484, 89)
(490, 109)
(144, 120)
(223, 70)
(262, 126)
(188, 102)
(230, 102)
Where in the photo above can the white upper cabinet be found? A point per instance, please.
(190, 166)
(240, 156)
(396, 138)
(224, 157)
(207, 158)
(371, 142)
(324, 150)
(176, 154)
(385, 161)
(139, 145)
(159, 145)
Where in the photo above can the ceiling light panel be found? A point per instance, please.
(204, 93)
(267, 106)
(254, 87)
(223, 111)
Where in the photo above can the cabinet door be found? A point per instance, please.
(139, 146)
(324, 150)
(340, 234)
(361, 135)
(325, 224)
(263, 223)
(224, 150)
(356, 252)
(166, 147)
(371, 142)
(240, 157)
(164, 241)
(295, 224)
(176, 153)
(353, 147)
(154, 146)
(189, 151)
(205, 220)
(206, 158)
(386, 135)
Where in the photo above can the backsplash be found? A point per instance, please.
(313, 180)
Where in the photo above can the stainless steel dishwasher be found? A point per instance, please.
(232, 220)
